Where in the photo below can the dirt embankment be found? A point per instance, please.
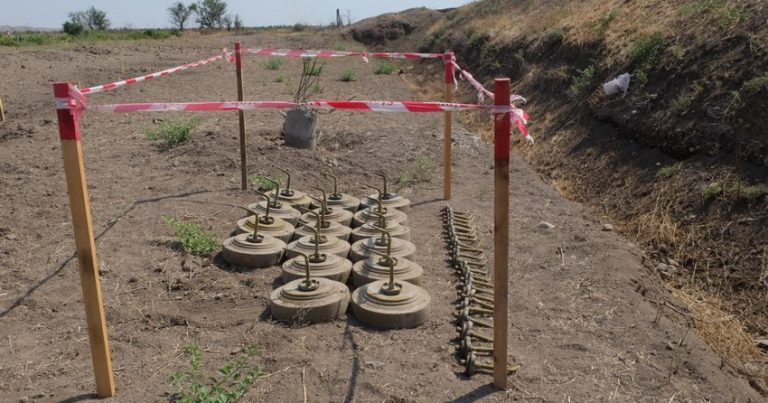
(678, 163)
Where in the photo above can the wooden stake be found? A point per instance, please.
(69, 131)
(241, 118)
(449, 71)
(500, 233)
(2, 111)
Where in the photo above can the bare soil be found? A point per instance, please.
(585, 317)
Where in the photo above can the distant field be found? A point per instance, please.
(16, 39)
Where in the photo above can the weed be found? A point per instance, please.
(677, 51)
(195, 240)
(681, 103)
(600, 26)
(384, 68)
(556, 35)
(347, 76)
(667, 171)
(281, 78)
(174, 133)
(419, 171)
(646, 49)
(273, 63)
(262, 182)
(756, 84)
(229, 385)
(640, 77)
(699, 7)
(313, 70)
(582, 82)
(317, 88)
(712, 190)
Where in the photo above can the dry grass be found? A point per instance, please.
(723, 332)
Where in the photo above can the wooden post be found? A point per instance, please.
(449, 71)
(69, 131)
(2, 111)
(500, 233)
(241, 118)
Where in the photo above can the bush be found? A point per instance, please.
(156, 34)
(73, 28)
(273, 63)
(712, 190)
(646, 49)
(347, 76)
(299, 27)
(229, 384)
(313, 70)
(281, 78)
(582, 82)
(384, 68)
(194, 240)
(174, 133)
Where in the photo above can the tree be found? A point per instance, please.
(90, 19)
(73, 28)
(180, 13)
(210, 13)
(238, 22)
(227, 22)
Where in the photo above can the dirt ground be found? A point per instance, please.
(585, 317)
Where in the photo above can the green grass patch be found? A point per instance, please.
(667, 171)
(173, 133)
(262, 183)
(712, 190)
(20, 39)
(273, 63)
(756, 84)
(600, 26)
(348, 76)
(313, 70)
(228, 384)
(194, 239)
(281, 78)
(384, 68)
(681, 103)
(582, 82)
(418, 171)
(644, 55)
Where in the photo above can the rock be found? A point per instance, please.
(666, 271)
(672, 262)
(545, 225)
(607, 227)
(103, 268)
(11, 237)
(374, 364)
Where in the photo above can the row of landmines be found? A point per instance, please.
(324, 242)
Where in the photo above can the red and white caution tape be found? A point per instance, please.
(166, 72)
(339, 53)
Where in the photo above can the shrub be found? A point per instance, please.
(582, 82)
(313, 70)
(73, 28)
(298, 27)
(229, 384)
(600, 26)
(681, 103)
(667, 171)
(347, 76)
(646, 49)
(194, 240)
(273, 63)
(712, 190)
(384, 68)
(281, 78)
(174, 133)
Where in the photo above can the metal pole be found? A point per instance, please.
(85, 244)
(500, 233)
(449, 71)
(241, 118)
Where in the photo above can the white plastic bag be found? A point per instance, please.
(620, 83)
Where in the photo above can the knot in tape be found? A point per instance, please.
(75, 102)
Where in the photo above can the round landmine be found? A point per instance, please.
(394, 229)
(253, 250)
(327, 245)
(381, 305)
(309, 299)
(368, 247)
(371, 214)
(344, 201)
(328, 266)
(377, 268)
(390, 200)
(282, 210)
(295, 198)
(331, 229)
(333, 214)
(274, 226)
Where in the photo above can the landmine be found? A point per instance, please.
(343, 200)
(309, 300)
(391, 200)
(328, 228)
(293, 197)
(277, 208)
(378, 267)
(322, 243)
(388, 304)
(253, 250)
(333, 214)
(268, 225)
(371, 213)
(367, 231)
(396, 247)
(323, 265)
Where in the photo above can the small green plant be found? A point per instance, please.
(682, 103)
(699, 7)
(384, 68)
(712, 190)
(667, 171)
(418, 171)
(313, 70)
(646, 49)
(347, 76)
(600, 26)
(262, 182)
(756, 84)
(229, 385)
(753, 192)
(174, 133)
(194, 240)
(273, 63)
(281, 78)
(582, 82)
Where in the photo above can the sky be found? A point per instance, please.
(153, 13)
